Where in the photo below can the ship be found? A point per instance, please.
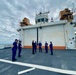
(61, 33)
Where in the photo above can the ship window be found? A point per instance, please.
(42, 19)
(46, 20)
(38, 20)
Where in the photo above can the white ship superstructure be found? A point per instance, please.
(61, 33)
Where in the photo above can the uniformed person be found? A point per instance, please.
(33, 47)
(40, 47)
(14, 49)
(46, 47)
(19, 48)
(51, 48)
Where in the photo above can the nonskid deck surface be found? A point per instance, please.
(63, 62)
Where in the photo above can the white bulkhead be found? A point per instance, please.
(61, 33)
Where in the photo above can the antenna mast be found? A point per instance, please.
(73, 9)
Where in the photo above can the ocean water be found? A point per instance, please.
(2, 46)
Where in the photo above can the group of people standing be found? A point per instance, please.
(16, 45)
(34, 47)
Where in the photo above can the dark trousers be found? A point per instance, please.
(51, 51)
(46, 49)
(13, 54)
(40, 49)
(33, 50)
(19, 52)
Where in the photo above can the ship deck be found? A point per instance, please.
(63, 62)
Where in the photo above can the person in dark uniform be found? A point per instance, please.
(51, 48)
(46, 47)
(40, 47)
(19, 48)
(33, 47)
(14, 49)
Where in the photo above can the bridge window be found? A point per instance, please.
(46, 20)
(38, 20)
(42, 19)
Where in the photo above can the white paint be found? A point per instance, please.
(52, 33)
(41, 67)
(29, 35)
(49, 33)
(24, 71)
(69, 34)
(22, 36)
(58, 32)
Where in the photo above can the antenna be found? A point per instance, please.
(73, 9)
(36, 12)
(44, 9)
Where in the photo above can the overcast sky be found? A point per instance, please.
(13, 11)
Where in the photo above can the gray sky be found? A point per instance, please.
(13, 11)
